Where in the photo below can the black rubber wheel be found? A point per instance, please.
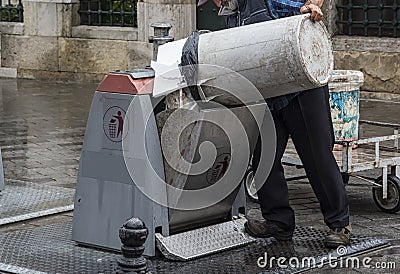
(392, 203)
(250, 186)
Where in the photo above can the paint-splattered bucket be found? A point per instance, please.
(344, 90)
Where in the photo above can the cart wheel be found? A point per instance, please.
(250, 186)
(392, 203)
(346, 178)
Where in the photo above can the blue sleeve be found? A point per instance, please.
(288, 5)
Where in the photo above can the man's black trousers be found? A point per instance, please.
(307, 120)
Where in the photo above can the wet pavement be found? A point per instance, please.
(41, 132)
(41, 129)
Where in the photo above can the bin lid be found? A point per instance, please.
(138, 73)
(134, 82)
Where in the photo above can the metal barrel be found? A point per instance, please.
(279, 56)
(344, 94)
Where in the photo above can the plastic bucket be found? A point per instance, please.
(344, 99)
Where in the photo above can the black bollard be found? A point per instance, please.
(161, 36)
(133, 234)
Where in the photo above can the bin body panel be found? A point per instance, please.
(106, 195)
(202, 132)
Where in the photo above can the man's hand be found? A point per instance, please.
(318, 3)
(316, 13)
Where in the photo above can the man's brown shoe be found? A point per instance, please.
(267, 229)
(337, 237)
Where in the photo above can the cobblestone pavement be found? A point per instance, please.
(41, 132)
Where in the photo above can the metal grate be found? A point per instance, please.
(22, 201)
(121, 13)
(204, 241)
(48, 248)
(11, 11)
(369, 17)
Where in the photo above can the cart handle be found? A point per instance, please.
(381, 124)
(369, 140)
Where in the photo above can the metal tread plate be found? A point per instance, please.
(204, 241)
(25, 200)
(49, 248)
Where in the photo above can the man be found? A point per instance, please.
(305, 116)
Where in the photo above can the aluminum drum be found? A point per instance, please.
(279, 57)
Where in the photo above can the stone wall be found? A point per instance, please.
(50, 43)
(377, 58)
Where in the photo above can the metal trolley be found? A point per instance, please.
(365, 154)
